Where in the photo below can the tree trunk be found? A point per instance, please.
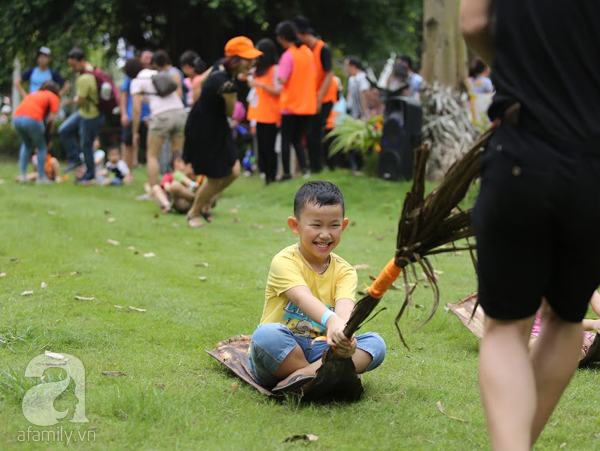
(445, 51)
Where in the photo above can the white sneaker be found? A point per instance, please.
(22, 179)
(306, 174)
(44, 181)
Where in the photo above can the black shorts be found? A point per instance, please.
(127, 135)
(537, 221)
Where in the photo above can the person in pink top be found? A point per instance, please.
(589, 325)
(28, 120)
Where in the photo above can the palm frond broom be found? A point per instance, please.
(427, 226)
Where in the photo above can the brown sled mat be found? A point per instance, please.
(336, 380)
(233, 353)
(464, 309)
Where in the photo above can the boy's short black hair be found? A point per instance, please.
(318, 193)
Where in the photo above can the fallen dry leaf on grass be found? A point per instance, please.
(2, 181)
(14, 260)
(54, 355)
(441, 409)
(149, 255)
(27, 293)
(113, 242)
(2, 274)
(43, 285)
(280, 230)
(106, 212)
(130, 309)
(61, 363)
(51, 213)
(113, 373)
(96, 251)
(233, 211)
(202, 278)
(234, 387)
(203, 264)
(306, 437)
(83, 298)
(357, 267)
(236, 220)
(72, 273)
(111, 219)
(131, 248)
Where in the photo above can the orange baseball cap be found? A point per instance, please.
(243, 47)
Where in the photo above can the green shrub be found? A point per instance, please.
(9, 140)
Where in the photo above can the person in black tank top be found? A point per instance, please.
(538, 207)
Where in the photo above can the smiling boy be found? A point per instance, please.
(309, 294)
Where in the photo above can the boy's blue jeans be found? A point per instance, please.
(271, 343)
(88, 130)
(32, 135)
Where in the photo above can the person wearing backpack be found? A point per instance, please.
(87, 120)
(167, 114)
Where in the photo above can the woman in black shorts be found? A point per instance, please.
(209, 145)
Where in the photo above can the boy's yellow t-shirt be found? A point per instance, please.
(289, 269)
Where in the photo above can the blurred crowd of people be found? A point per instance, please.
(196, 114)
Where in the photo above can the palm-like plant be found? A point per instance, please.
(356, 134)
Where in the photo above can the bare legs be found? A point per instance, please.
(155, 143)
(520, 390)
(554, 356)
(207, 192)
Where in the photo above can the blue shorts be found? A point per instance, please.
(114, 181)
(271, 343)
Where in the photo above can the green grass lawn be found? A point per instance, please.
(173, 395)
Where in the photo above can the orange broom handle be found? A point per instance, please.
(385, 279)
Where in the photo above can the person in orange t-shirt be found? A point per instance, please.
(325, 91)
(298, 100)
(264, 107)
(28, 120)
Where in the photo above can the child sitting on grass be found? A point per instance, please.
(51, 168)
(99, 156)
(115, 170)
(177, 189)
(310, 293)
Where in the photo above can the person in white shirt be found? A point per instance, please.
(167, 113)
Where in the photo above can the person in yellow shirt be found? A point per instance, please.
(86, 121)
(310, 293)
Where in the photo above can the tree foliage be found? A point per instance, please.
(369, 29)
